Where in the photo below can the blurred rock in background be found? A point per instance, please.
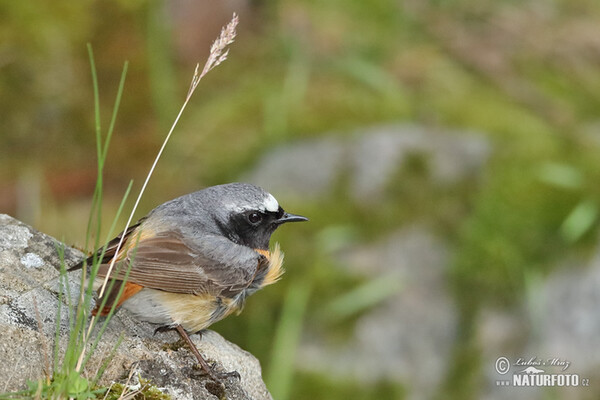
(368, 159)
(409, 336)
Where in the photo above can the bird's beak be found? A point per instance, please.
(287, 217)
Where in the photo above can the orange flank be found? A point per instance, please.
(130, 290)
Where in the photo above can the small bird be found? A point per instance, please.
(194, 260)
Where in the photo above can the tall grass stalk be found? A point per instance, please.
(218, 54)
(67, 380)
(79, 343)
(287, 338)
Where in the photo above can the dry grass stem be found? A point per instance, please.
(125, 395)
(218, 54)
(108, 391)
(215, 58)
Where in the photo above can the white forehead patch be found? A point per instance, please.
(271, 203)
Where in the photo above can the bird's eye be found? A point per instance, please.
(254, 217)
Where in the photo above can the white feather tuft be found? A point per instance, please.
(271, 203)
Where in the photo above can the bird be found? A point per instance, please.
(193, 260)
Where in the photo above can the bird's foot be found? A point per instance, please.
(215, 375)
(202, 364)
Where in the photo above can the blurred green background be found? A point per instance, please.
(405, 284)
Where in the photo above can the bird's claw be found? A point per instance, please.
(217, 375)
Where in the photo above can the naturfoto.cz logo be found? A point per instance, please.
(536, 372)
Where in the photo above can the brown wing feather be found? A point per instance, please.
(167, 262)
(113, 296)
(111, 248)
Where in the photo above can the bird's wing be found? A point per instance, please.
(167, 261)
(111, 248)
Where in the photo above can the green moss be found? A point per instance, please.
(513, 229)
(174, 346)
(147, 392)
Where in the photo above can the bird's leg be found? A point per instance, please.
(217, 376)
(162, 329)
(203, 364)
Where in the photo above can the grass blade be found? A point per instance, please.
(287, 336)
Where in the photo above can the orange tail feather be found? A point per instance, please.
(129, 290)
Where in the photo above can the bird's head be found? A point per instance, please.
(247, 214)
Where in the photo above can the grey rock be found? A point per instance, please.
(407, 338)
(309, 167)
(502, 334)
(175, 371)
(567, 315)
(559, 320)
(30, 289)
(377, 154)
(369, 159)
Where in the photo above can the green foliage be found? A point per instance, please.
(285, 344)
(67, 380)
(71, 386)
(305, 68)
(364, 297)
